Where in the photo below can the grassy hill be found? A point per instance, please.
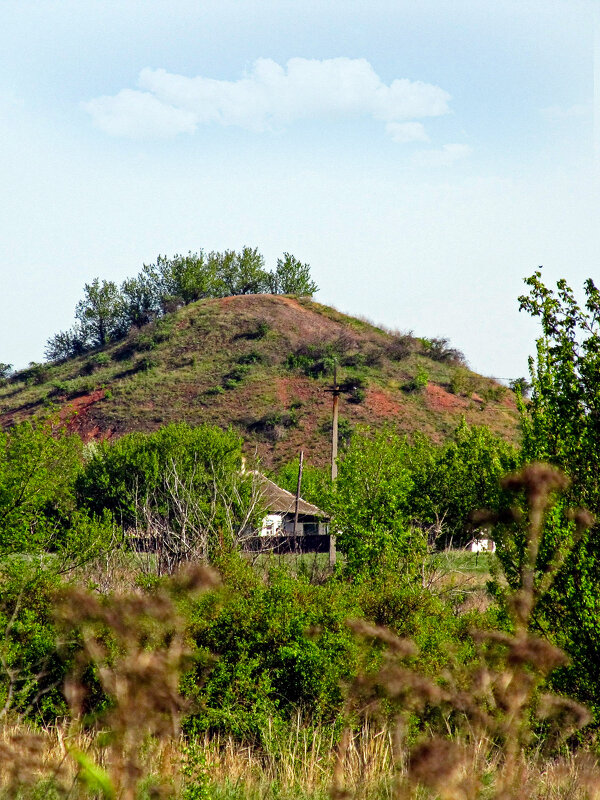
(261, 363)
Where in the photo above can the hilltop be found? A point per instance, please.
(261, 363)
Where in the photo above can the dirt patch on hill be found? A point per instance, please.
(282, 315)
(380, 403)
(438, 399)
(292, 389)
(75, 414)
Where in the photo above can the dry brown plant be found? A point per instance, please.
(135, 644)
(490, 710)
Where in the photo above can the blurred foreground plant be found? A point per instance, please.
(490, 711)
(135, 645)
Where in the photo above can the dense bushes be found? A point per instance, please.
(39, 464)
(32, 668)
(181, 485)
(282, 648)
(391, 495)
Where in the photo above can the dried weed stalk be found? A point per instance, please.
(135, 645)
(492, 708)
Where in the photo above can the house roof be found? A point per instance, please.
(280, 501)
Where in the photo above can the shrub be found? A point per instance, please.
(419, 382)
(282, 648)
(440, 350)
(180, 484)
(258, 331)
(400, 346)
(236, 375)
(96, 361)
(31, 669)
(274, 424)
(462, 382)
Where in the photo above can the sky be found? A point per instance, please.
(423, 156)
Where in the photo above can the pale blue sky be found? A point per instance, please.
(126, 130)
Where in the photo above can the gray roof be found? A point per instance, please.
(280, 501)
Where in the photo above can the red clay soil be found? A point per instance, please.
(439, 399)
(380, 403)
(75, 415)
(290, 389)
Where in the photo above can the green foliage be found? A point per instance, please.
(440, 350)
(292, 277)
(191, 277)
(241, 273)
(31, 668)
(139, 300)
(38, 465)
(274, 424)
(461, 382)
(520, 386)
(318, 358)
(5, 370)
(253, 357)
(195, 772)
(107, 313)
(419, 382)
(369, 504)
(36, 373)
(281, 646)
(182, 479)
(97, 361)
(560, 425)
(389, 491)
(236, 375)
(455, 479)
(100, 313)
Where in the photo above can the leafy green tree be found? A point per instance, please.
(66, 344)
(292, 277)
(5, 370)
(101, 313)
(32, 672)
(39, 463)
(520, 386)
(182, 486)
(140, 301)
(240, 273)
(189, 277)
(452, 480)
(561, 424)
(369, 504)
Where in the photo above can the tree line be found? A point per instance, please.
(107, 312)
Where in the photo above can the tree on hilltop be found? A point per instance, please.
(101, 313)
(292, 277)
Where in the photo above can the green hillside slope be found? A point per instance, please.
(261, 363)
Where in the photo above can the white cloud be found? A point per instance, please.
(139, 115)
(267, 97)
(403, 132)
(443, 157)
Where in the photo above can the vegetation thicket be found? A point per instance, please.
(124, 674)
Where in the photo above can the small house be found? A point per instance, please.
(279, 530)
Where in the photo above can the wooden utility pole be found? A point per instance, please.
(298, 495)
(335, 392)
